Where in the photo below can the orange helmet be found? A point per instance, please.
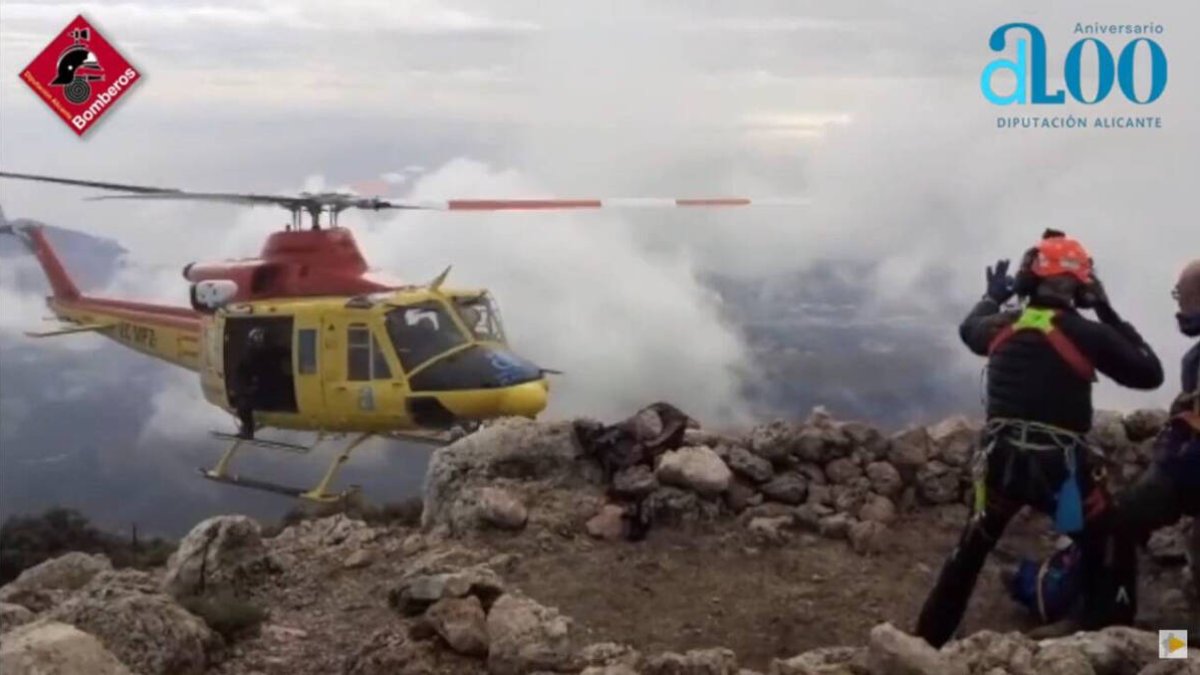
(1062, 255)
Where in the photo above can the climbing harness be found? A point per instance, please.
(1028, 436)
(1042, 321)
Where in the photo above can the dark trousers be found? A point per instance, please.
(1014, 477)
(1156, 500)
(245, 415)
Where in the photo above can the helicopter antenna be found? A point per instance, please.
(333, 203)
(440, 279)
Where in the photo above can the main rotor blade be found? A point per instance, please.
(149, 192)
(340, 201)
(225, 197)
(124, 187)
(577, 204)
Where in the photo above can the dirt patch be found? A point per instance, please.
(677, 591)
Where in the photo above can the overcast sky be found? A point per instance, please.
(871, 109)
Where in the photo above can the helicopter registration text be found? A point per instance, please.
(142, 336)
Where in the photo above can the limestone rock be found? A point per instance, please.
(363, 557)
(716, 661)
(54, 648)
(47, 583)
(810, 446)
(608, 524)
(698, 469)
(511, 452)
(1114, 650)
(12, 616)
(1144, 424)
(745, 463)
(885, 479)
(227, 550)
(144, 627)
(866, 536)
(953, 440)
(938, 483)
(1059, 659)
(501, 509)
(419, 591)
(741, 496)
(909, 450)
(787, 488)
(675, 506)
(634, 482)
(612, 669)
(775, 441)
(808, 516)
(823, 661)
(526, 636)
(647, 423)
(893, 652)
(877, 509)
(609, 654)
(836, 526)
(987, 650)
(842, 471)
(1108, 431)
(461, 623)
(1168, 546)
(850, 498)
(770, 530)
(391, 652)
(812, 473)
(868, 438)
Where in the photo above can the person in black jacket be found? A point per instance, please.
(1170, 488)
(252, 379)
(1042, 361)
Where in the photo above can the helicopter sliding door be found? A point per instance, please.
(364, 386)
(270, 364)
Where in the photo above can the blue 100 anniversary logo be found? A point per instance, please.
(1117, 75)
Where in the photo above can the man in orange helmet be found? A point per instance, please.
(1042, 360)
(1170, 488)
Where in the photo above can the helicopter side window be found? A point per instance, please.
(307, 352)
(422, 331)
(365, 359)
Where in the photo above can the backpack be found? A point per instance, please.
(1050, 587)
(1177, 448)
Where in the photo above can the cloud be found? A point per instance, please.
(578, 293)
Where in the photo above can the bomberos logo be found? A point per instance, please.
(1110, 62)
(80, 75)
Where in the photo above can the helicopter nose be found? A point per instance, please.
(525, 400)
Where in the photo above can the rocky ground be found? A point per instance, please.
(797, 548)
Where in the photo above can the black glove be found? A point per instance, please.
(1093, 295)
(999, 283)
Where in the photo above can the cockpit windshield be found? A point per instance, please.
(481, 316)
(422, 331)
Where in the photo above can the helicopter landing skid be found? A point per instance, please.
(320, 494)
(434, 439)
(264, 443)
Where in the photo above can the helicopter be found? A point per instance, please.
(351, 353)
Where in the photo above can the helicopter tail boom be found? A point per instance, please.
(169, 333)
(35, 240)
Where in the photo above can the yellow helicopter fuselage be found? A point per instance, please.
(393, 361)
